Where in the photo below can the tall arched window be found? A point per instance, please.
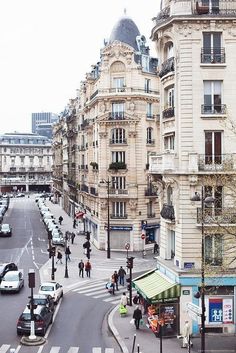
(150, 135)
(118, 136)
(169, 196)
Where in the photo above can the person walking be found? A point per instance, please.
(115, 280)
(81, 268)
(124, 300)
(59, 257)
(121, 274)
(137, 316)
(74, 223)
(67, 253)
(60, 219)
(156, 248)
(88, 268)
(72, 237)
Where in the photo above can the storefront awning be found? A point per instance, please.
(153, 286)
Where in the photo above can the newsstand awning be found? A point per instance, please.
(153, 286)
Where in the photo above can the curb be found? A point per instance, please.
(114, 331)
(37, 341)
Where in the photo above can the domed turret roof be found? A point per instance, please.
(125, 31)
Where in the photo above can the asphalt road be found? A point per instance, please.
(79, 321)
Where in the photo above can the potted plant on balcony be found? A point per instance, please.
(94, 165)
(117, 165)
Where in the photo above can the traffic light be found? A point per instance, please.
(52, 251)
(130, 262)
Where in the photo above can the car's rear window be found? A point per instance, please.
(47, 288)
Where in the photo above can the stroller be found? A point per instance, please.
(123, 310)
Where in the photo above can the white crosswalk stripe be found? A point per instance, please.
(97, 290)
(57, 349)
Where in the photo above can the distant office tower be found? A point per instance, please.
(42, 122)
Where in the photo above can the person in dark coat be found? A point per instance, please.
(137, 316)
(59, 257)
(115, 278)
(88, 268)
(72, 237)
(60, 219)
(156, 248)
(121, 274)
(81, 268)
(67, 253)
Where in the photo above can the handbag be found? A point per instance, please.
(132, 322)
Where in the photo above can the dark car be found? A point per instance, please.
(43, 317)
(5, 267)
(5, 230)
(45, 300)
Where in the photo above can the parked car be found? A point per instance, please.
(45, 300)
(44, 210)
(43, 317)
(52, 288)
(6, 267)
(5, 230)
(48, 215)
(13, 281)
(3, 209)
(20, 194)
(58, 237)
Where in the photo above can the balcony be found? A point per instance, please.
(168, 113)
(168, 212)
(71, 183)
(117, 165)
(121, 141)
(167, 67)
(150, 192)
(151, 215)
(213, 109)
(116, 116)
(223, 162)
(224, 215)
(113, 191)
(120, 216)
(93, 191)
(84, 188)
(213, 55)
(150, 142)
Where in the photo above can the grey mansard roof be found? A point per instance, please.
(125, 31)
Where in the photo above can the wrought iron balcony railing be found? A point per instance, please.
(213, 109)
(168, 212)
(150, 192)
(213, 55)
(168, 113)
(118, 141)
(119, 216)
(223, 215)
(116, 116)
(222, 162)
(117, 165)
(150, 142)
(151, 215)
(167, 66)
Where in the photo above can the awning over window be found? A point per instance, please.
(153, 286)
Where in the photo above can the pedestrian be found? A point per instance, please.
(74, 223)
(112, 285)
(67, 253)
(137, 316)
(186, 335)
(124, 300)
(81, 268)
(88, 268)
(115, 280)
(59, 257)
(60, 219)
(156, 248)
(121, 274)
(72, 237)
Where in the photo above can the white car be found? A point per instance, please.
(57, 237)
(48, 215)
(52, 288)
(13, 281)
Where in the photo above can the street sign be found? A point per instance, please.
(194, 308)
(143, 236)
(127, 246)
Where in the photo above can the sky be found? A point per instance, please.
(47, 46)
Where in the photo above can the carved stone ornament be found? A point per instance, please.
(103, 205)
(193, 179)
(103, 108)
(133, 204)
(132, 133)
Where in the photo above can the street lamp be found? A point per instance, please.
(66, 259)
(205, 201)
(107, 182)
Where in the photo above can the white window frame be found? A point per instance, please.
(118, 156)
(119, 208)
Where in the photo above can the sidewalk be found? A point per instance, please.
(120, 327)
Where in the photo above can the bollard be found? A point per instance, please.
(134, 339)
(138, 348)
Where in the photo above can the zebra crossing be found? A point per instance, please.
(97, 290)
(6, 348)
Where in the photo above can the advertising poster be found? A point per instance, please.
(215, 310)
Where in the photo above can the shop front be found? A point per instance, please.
(160, 298)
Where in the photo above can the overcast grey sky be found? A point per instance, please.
(47, 46)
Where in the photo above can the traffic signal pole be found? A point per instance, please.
(130, 267)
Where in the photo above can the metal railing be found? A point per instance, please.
(222, 162)
(217, 215)
(213, 55)
(213, 109)
(167, 66)
(168, 113)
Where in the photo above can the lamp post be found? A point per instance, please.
(66, 267)
(209, 200)
(108, 216)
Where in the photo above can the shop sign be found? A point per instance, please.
(215, 310)
(193, 308)
(169, 314)
(228, 311)
(151, 226)
(121, 228)
(186, 292)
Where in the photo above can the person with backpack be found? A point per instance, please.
(81, 268)
(60, 219)
(121, 274)
(88, 268)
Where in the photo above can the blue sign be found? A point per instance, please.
(121, 228)
(189, 264)
(215, 311)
